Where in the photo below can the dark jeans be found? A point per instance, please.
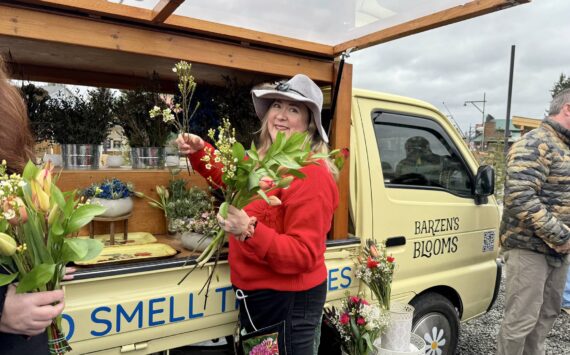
(301, 311)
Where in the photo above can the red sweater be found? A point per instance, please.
(286, 252)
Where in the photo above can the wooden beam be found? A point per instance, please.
(131, 13)
(31, 72)
(164, 9)
(442, 18)
(341, 139)
(79, 31)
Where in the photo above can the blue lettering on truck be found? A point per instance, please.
(161, 310)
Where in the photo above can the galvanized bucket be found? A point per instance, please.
(80, 156)
(147, 157)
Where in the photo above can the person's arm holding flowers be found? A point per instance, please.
(28, 313)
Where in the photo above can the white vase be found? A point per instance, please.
(114, 208)
(195, 241)
(397, 336)
(115, 161)
(416, 346)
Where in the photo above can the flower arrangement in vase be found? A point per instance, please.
(36, 222)
(376, 269)
(114, 195)
(357, 323)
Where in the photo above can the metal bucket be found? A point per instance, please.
(80, 156)
(147, 157)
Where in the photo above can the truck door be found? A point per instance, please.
(423, 207)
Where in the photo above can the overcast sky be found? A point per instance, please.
(460, 62)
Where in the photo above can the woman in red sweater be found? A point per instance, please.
(278, 261)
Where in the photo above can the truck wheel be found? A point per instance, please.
(436, 321)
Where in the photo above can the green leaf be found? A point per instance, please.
(30, 171)
(38, 277)
(78, 249)
(252, 153)
(57, 196)
(295, 142)
(263, 195)
(296, 173)
(238, 151)
(3, 225)
(83, 215)
(253, 181)
(73, 250)
(7, 279)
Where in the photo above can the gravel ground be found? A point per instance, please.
(479, 336)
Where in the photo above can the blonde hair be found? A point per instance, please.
(317, 143)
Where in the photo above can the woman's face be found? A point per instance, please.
(287, 117)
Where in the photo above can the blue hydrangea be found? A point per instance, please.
(110, 189)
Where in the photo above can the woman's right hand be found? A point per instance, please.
(189, 143)
(30, 313)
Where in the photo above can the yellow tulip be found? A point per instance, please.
(39, 197)
(44, 177)
(8, 245)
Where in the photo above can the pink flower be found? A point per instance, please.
(360, 321)
(266, 183)
(344, 318)
(266, 347)
(354, 299)
(345, 153)
(363, 301)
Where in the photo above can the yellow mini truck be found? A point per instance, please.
(414, 185)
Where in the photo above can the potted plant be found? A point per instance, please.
(80, 125)
(113, 194)
(147, 137)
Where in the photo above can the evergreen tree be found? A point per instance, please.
(562, 83)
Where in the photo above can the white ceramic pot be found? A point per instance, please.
(195, 241)
(115, 161)
(416, 346)
(54, 158)
(397, 336)
(115, 208)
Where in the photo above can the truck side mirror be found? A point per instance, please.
(484, 184)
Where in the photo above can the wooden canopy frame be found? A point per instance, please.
(95, 42)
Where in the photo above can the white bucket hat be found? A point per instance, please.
(299, 88)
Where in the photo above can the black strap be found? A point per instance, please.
(336, 89)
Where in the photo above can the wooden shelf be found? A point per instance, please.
(145, 218)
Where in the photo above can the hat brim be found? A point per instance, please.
(262, 99)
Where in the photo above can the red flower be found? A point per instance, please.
(345, 152)
(344, 319)
(390, 259)
(371, 264)
(360, 321)
(363, 301)
(354, 299)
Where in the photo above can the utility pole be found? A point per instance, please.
(509, 96)
(474, 103)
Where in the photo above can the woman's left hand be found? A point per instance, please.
(236, 223)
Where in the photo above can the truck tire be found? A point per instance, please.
(437, 322)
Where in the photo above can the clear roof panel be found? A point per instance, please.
(329, 22)
(145, 4)
(322, 21)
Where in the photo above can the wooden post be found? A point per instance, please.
(341, 139)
